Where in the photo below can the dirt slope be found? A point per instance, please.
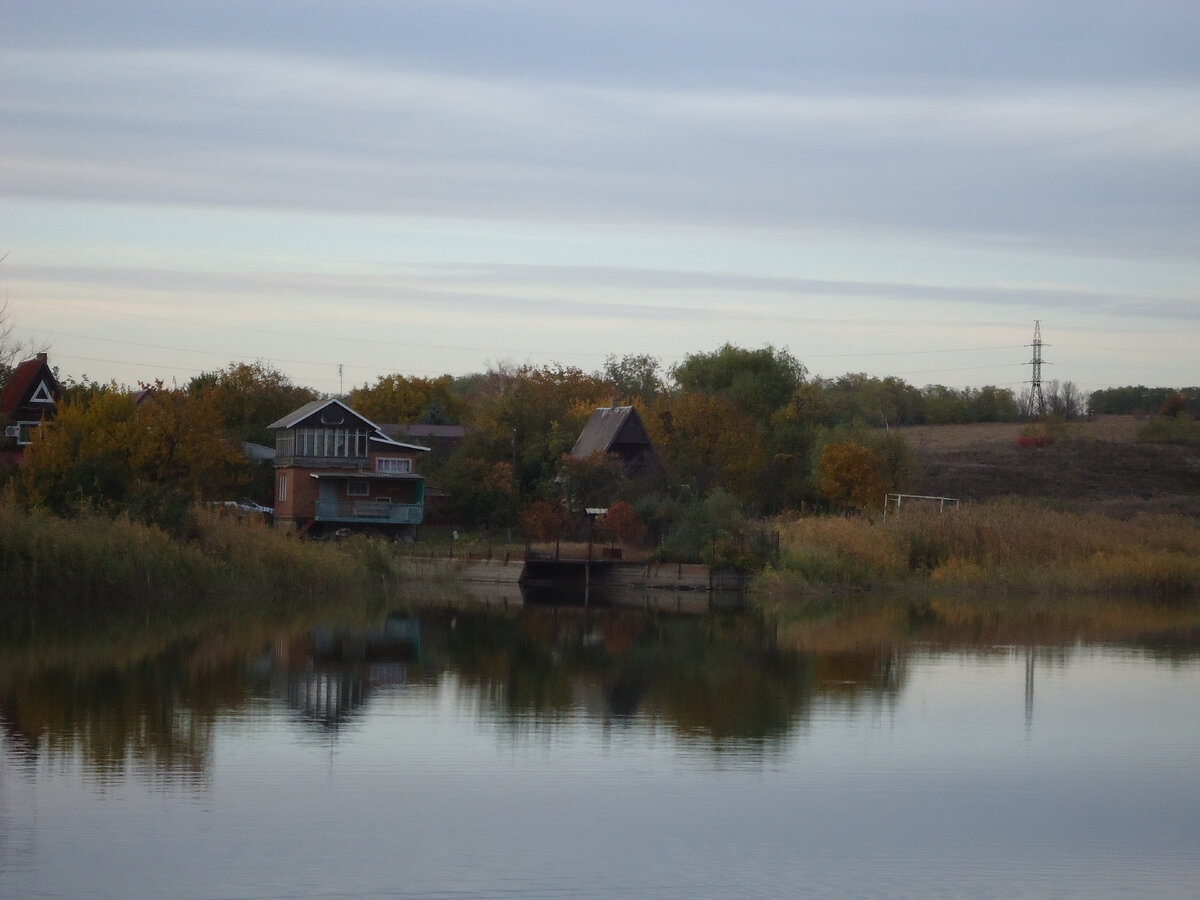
(1098, 465)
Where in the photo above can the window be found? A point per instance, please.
(42, 394)
(343, 443)
(393, 465)
(25, 432)
(281, 493)
(358, 489)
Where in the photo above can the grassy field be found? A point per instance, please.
(1096, 465)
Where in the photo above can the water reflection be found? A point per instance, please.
(328, 673)
(720, 681)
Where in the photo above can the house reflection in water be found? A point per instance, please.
(327, 674)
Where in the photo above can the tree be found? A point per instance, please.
(409, 400)
(108, 449)
(880, 403)
(530, 417)
(544, 520)
(1064, 400)
(635, 377)
(1175, 404)
(622, 521)
(708, 440)
(482, 492)
(850, 475)
(249, 397)
(758, 381)
(12, 350)
(594, 481)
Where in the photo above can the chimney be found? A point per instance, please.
(41, 357)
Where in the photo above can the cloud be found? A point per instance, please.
(1091, 164)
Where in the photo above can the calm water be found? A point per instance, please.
(540, 754)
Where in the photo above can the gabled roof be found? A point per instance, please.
(296, 416)
(611, 427)
(315, 407)
(32, 387)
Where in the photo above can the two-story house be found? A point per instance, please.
(335, 469)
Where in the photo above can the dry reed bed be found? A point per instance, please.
(93, 561)
(1007, 545)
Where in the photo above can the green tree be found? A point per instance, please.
(249, 397)
(530, 417)
(595, 481)
(635, 377)
(757, 381)
(482, 492)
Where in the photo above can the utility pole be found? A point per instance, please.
(1037, 401)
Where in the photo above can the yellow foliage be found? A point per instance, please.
(850, 475)
(98, 449)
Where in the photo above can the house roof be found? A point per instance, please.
(424, 431)
(294, 418)
(31, 382)
(609, 426)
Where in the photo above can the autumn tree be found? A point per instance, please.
(621, 521)
(531, 416)
(544, 520)
(113, 452)
(709, 441)
(249, 397)
(850, 475)
(409, 400)
(81, 457)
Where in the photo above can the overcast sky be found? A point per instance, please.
(900, 188)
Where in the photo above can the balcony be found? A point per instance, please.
(371, 512)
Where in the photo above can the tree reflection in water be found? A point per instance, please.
(717, 680)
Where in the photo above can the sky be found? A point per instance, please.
(348, 190)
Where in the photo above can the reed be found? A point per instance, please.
(1006, 546)
(94, 562)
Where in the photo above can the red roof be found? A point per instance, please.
(21, 380)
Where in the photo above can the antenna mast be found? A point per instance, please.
(1037, 400)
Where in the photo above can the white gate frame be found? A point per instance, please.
(898, 499)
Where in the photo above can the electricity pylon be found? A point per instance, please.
(1037, 401)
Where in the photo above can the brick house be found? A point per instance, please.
(335, 469)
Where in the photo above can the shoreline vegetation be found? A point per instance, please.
(998, 549)
(1000, 574)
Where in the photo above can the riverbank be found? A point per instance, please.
(1001, 550)
(998, 549)
(94, 561)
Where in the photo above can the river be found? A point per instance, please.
(448, 751)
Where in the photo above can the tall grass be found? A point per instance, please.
(92, 562)
(995, 547)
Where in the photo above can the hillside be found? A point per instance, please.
(1099, 465)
